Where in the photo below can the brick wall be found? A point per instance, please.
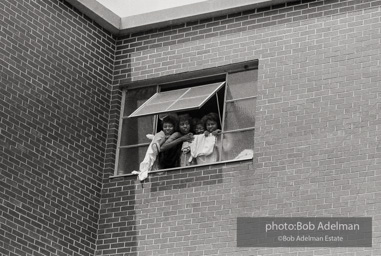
(56, 71)
(317, 140)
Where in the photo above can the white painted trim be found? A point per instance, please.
(248, 159)
(176, 15)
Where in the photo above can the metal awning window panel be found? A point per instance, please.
(178, 100)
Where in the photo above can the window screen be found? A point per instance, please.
(178, 100)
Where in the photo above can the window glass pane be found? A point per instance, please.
(240, 114)
(130, 158)
(237, 145)
(151, 109)
(176, 100)
(242, 84)
(135, 98)
(205, 90)
(134, 130)
(188, 103)
(165, 97)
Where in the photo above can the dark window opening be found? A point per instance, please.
(231, 95)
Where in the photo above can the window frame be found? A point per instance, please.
(189, 77)
(184, 91)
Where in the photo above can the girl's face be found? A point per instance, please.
(199, 129)
(184, 127)
(211, 125)
(168, 128)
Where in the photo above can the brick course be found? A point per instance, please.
(56, 72)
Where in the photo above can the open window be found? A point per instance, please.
(179, 100)
(232, 95)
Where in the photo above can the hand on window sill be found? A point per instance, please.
(214, 133)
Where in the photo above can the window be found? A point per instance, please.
(229, 91)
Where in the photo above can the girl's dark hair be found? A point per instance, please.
(171, 119)
(197, 121)
(211, 116)
(185, 117)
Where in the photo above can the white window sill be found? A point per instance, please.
(186, 167)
